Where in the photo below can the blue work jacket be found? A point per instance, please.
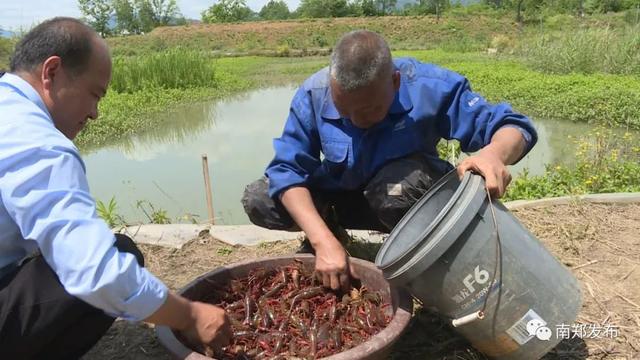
(320, 149)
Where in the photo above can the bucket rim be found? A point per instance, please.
(431, 225)
(444, 231)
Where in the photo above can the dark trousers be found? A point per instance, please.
(379, 205)
(40, 320)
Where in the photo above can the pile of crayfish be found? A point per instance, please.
(285, 313)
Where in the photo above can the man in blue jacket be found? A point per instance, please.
(376, 123)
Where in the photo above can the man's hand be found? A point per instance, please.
(332, 264)
(506, 147)
(200, 323)
(495, 173)
(210, 326)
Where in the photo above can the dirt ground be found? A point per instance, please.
(600, 243)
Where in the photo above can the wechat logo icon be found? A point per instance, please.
(538, 328)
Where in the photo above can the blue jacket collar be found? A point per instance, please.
(25, 89)
(401, 104)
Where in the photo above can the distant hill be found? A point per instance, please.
(6, 33)
(403, 32)
(401, 4)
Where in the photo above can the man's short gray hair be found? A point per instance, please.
(359, 58)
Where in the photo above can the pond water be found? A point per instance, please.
(164, 165)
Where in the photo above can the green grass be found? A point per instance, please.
(108, 212)
(173, 69)
(270, 71)
(460, 31)
(6, 48)
(558, 68)
(596, 99)
(604, 162)
(123, 114)
(464, 29)
(588, 51)
(562, 67)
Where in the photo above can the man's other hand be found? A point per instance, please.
(495, 173)
(332, 264)
(210, 326)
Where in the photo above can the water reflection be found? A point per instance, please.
(164, 165)
(174, 129)
(553, 145)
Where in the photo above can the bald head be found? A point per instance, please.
(359, 58)
(69, 66)
(70, 39)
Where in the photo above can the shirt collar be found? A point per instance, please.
(25, 89)
(401, 104)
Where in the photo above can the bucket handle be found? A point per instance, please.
(479, 315)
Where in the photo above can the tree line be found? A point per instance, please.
(541, 8)
(130, 16)
(140, 16)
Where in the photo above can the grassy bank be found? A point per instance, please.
(560, 67)
(464, 32)
(556, 44)
(6, 48)
(129, 108)
(604, 162)
(587, 50)
(141, 88)
(173, 69)
(464, 29)
(590, 98)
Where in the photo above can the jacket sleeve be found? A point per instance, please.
(297, 151)
(470, 119)
(46, 194)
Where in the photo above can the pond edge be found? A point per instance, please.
(176, 235)
(607, 198)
